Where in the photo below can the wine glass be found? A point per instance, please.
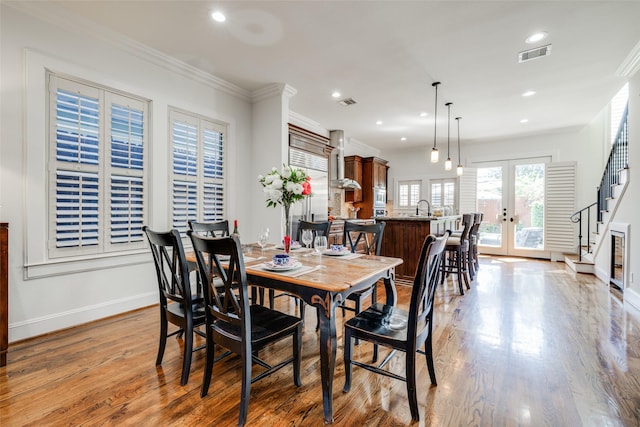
(263, 236)
(307, 237)
(320, 243)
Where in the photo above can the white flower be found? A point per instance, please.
(276, 183)
(293, 187)
(286, 172)
(269, 179)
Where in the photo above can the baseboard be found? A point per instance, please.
(66, 319)
(632, 297)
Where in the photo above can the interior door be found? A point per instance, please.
(511, 195)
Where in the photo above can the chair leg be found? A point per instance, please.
(428, 350)
(188, 351)
(460, 274)
(465, 269)
(246, 387)
(163, 336)
(208, 368)
(297, 355)
(302, 307)
(411, 384)
(348, 349)
(470, 265)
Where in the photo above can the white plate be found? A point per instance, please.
(335, 253)
(294, 246)
(292, 265)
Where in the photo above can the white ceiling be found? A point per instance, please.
(386, 54)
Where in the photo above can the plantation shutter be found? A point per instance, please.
(560, 204)
(468, 188)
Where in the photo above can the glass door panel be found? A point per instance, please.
(490, 202)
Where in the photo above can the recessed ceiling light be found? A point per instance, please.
(379, 122)
(529, 93)
(336, 94)
(218, 16)
(534, 38)
(403, 139)
(423, 114)
(524, 121)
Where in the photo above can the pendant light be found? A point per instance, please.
(434, 150)
(459, 170)
(447, 163)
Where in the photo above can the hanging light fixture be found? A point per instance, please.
(459, 170)
(447, 163)
(434, 150)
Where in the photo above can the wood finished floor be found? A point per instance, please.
(531, 344)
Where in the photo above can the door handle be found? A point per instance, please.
(511, 219)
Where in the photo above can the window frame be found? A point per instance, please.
(103, 169)
(210, 205)
(442, 182)
(409, 183)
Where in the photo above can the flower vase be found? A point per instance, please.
(286, 228)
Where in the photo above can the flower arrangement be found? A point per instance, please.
(285, 188)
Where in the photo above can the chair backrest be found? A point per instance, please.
(477, 220)
(171, 266)
(225, 288)
(210, 229)
(370, 236)
(424, 286)
(467, 223)
(321, 227)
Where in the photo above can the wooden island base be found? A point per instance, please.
(403, 238)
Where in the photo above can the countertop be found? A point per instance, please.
(418, 218)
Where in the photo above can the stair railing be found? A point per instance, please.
(618, 160)
(577, 218)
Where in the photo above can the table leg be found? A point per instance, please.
(327, 357)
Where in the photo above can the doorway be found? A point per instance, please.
(511, 193)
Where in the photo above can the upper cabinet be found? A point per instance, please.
(379, 167)
(353, 170)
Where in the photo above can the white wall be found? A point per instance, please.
(28, 45)
(627, 212)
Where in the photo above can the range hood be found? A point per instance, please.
(337, 142)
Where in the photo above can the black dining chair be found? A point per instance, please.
(178, 303)
(211, 229)
(365, 239)
(318, 228)
(456, 260)
(232, 322)
(398, 329)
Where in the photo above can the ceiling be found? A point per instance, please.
(386, 54)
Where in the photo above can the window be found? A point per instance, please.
(97, 177)
(409, 193)
(198, 169)
(443, 192)
(618, 105)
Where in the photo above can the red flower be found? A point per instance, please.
(306, 187)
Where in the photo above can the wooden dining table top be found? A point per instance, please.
(330, 273)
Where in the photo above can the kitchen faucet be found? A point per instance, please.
(428, 207)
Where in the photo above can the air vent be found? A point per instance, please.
(536, 53)
(347, 101)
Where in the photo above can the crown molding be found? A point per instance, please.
(68, 21)
(631, 63)
(271, 90)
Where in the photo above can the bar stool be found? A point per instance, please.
(457, 255)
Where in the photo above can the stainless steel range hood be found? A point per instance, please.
(337, 141)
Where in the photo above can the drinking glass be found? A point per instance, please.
(263, 237)
(320, 244)
(307, 237)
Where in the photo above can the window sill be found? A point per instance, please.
(59, 267)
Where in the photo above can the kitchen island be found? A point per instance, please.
(404, 235)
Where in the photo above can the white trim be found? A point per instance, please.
(630, 64)
(66, 319)
(60, 267)
(632, 297)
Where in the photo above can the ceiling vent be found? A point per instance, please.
(536, 53)
(347, 101)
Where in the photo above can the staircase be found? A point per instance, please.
(610, 191)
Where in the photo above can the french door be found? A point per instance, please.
(511, 194)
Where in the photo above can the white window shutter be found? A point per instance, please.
(467, 194)
(560, 191)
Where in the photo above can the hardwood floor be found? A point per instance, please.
(530, 344)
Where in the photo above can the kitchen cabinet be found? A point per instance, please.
(353, 170)
(374, 176)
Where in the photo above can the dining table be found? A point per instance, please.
(322, 279)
